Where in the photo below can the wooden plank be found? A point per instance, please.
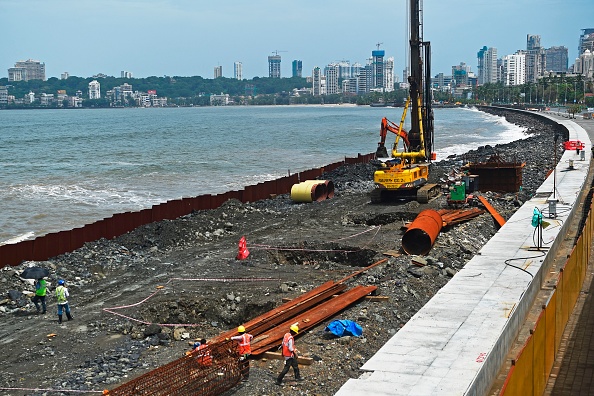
(278, 356)
(377, 298)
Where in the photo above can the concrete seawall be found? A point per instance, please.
(457, 343)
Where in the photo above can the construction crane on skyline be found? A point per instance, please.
(275, 52)
(378, 45)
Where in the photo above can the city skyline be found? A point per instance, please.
(183, 38)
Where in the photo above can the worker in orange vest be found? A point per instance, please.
(245, 350)
(202, 353)
(290, 355)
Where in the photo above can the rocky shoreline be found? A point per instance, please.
(99, 350)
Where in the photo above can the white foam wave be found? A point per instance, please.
(18, 238)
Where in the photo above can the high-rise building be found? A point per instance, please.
(344, 69)
(356, 69)
(586, 41)
(125, 74)
(218, 71)
(316, 75)
(584, 65)
(238, 71)
(514, 69)
(535, 58)
(27, 70)
(378, 68)
(65, 76)
(94, 90)
(331, 74)
(487, 65)
(460, 74)
(556, 59)
(274, 66)
(297, 68)
(389, 74)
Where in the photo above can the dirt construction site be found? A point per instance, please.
(139, 301)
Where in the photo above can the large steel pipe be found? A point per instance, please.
(422, 232)
(309, 191)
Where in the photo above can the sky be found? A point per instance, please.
(192, 37)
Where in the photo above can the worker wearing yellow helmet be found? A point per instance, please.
(290, 354)
(245, 350)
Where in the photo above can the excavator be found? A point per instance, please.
(404, 175)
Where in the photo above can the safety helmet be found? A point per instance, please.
(241, 329)
(196, 345)
(295, 328)
(61, 282)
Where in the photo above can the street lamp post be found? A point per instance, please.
(574, 92)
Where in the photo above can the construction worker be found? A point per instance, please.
(203, 354)
(62, 299)
(290, 355)
(40, 292)
(245, 350)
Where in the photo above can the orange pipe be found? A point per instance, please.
(498, 218)
(422, 232)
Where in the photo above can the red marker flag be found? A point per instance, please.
(243, 250)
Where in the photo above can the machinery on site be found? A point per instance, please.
(404, 174)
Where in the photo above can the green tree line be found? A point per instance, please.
(196, 91)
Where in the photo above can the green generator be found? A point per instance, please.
(458, 192)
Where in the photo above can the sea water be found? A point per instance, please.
(61, 169)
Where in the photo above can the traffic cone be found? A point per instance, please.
(243, 250)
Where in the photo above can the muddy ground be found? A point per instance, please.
(326, 240)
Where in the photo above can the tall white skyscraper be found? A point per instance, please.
(218, 71)
(487, 65)
(316, 75)
(237, 71)
(332, 79)
(389, 74)
(514, 69)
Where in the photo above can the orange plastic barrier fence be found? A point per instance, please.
(530, 371)
(54, 244)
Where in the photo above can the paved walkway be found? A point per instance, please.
(573, 372)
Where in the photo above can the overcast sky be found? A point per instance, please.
(191, 37)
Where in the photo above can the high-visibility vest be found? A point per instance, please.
(288, 339)
(61, 294)
(40, 288)
(245, 344)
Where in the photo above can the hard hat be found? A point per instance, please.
(241, 329)
(295, 328)
(61, 282)
(196, 345)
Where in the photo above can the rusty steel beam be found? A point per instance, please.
(498, 218)
(311, 318)
(455, 216)
(297, 305)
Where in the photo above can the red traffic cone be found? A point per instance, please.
(243, 250)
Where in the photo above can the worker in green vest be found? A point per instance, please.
(40, 292)
(62, 300)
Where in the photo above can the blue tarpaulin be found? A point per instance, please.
(344, 327)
